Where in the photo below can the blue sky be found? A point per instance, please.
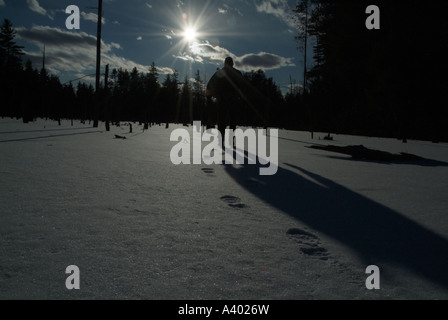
(258, 34)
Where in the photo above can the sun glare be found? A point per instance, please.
(190, 34)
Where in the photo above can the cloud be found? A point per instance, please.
(56, 37)
(226, 9)
(90, 16)
(35, 6)
(262, 60)
(2, 3)
(247, 62)
(73, 51)
(186, 57)
(209, 52)
(139, 38)
(278, 8)
(164, 70)
(148, 5)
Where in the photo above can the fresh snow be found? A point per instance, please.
(140, 227)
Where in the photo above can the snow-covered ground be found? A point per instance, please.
(139, 227)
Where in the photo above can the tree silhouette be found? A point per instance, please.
(302, 12)
(10, 52)
(198, 89)
(152, 90)
(379, 82)
(169, 98)
(10, 69)
(376, 83)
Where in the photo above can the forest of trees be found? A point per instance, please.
(125, 95)
(387, 82)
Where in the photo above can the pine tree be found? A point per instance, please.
(10, 52)
(170, 97)
(184, 112)
(152, 89)
(153, 75)
(198, 97)
(302, 13)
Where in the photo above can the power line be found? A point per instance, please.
(89, 75)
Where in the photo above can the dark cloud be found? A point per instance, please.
(68, 51)
(55, 36)
(262, 60)
(247, 62)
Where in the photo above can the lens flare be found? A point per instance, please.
(190, 34)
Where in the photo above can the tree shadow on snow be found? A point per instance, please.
(361, 153)
(46, 130)
(50, 136)
(376, 233)
(424, 162)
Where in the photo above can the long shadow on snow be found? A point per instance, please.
(424, 162)
(46, 130)
(49, 136)
(378, 234)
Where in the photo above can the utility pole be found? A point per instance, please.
(106, 87)
(43, 59)
(290, 85)
(98, 45)
(98, 65)
(106, 77)
(305, 45)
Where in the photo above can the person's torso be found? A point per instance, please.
(228, 83)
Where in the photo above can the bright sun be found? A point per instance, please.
(190, 34)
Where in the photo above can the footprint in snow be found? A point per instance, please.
(233, 202)
(209, 171)
(309, 243)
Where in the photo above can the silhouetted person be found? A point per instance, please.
(227, 86)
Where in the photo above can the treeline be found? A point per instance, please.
(135, 96)
(386, 82)
(30, 93)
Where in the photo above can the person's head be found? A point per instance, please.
(228, 62)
